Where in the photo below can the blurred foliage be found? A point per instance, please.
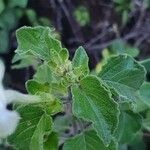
(81, 15)
(123, 7)
(34, 20)
(119, 47)
(10, 13)
(147, 3)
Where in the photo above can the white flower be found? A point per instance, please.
(9, 119)
(8, 122)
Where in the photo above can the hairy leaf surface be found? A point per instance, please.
(129, 125)
(81, 60)
(43, 74)
(124, 74)
(34, 87)
(144, 93)
(87, 140)
(38, 41)
(33, 126)
(91, 101)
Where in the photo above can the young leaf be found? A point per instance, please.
(124, 74)
(34, 125)
(87, 140)
(43, 74)
(38, 41)
(34, 87)
(64, 54)
(51, 104)
(92, 102)
(81, 60)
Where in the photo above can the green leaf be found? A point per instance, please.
(87, 140)
(64, 55)
(81, 60)
(92, 102)
(138, 143)
(132, 51)
(43, 74)
(34, 87)
(8, 19)
(50, 104)
(24, 61)
(146, 121)
(140, 106)
(129, 125)
(51, 142)
(145, 93)
(124, 74)
(59, 89)
(33, 126)
(146, 64)
(38, 41)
